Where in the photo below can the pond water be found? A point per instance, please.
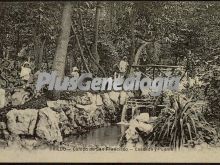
(109, 135)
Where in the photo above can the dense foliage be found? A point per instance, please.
(180, 124)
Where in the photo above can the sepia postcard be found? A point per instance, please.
(110, 81)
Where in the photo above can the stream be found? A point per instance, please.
(109, 135)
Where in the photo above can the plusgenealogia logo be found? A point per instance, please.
(86, 82)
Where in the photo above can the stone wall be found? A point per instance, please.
(62, 118)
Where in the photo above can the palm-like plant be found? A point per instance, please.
(180, 123)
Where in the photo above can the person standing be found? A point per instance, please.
(75, 72)
(115, 71)
(25, 72)
(123, 66)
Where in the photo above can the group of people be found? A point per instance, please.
(119, 70)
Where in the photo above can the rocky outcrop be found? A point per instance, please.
(29, 144)
(71, 114)
(123, 97)
(84, 99)
(133, 138)
(2, 129)
(47, 126)
(108, 103)
(87, 108)
(140, 123)
(2, 126)
(2, 98)
(99, 101)
(59, 103)
(114, 96)
(63, 117)
(16, 143)
(22, 122)
(19, 97)
(141, 126)
(143, 117)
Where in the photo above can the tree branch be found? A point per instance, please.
(80, 49)
(87, 47)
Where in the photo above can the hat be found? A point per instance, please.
(125, 57)
(26, 63)
(75, 69)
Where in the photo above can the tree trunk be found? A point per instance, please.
(18, 41)
(41, 54)
(95, 50)
(132, 22)
(87, 47)
(80, 49)
(70, 62)
(132, 17)
(1, 50)
(38, 50)
(137, 55)
(62, 45)
(111, 15)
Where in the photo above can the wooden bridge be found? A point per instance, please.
(148, 103)
(134, 104)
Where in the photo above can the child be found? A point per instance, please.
(25, 72)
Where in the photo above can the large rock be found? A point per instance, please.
(64, 123)
(84, 99)
(114, 96)
(62, 117)
(87, 108)
(153, 119)
(58, 103)
(143, 117)
(94, 98)
(77, 99)
(19, 97)
(22, 121)
(14, 142)
(144, 127)
(107, 102)
(71, 116)
(106, 99)
(48, 125)
(2, 126)
(2, 98)
(53, 104)
(91, 97)
(99, 101)
(123, 97)
(29, 144)
(6, 134)
(147, 128)
(131, 133)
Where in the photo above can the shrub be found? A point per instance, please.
(181, 123)
(212, 91)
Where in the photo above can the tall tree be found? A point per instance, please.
(61, 51)
(95, 48)
(132, 23)
(86, 45)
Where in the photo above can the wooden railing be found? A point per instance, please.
(134, 104)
